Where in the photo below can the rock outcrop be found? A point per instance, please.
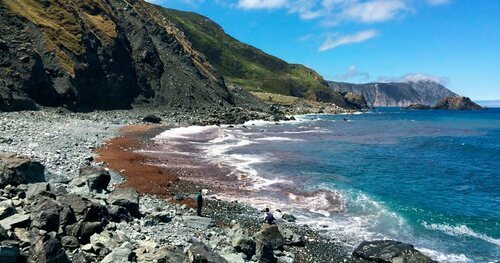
(457, 103)
(396, 94)
(390, 251)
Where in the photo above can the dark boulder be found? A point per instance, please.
(390, 251)
(83, 208)
(7, 209)
(38, 189)
(152, 119)
(84, 230)
(289, 218)
(70, 242)
(97, 178)
(118, 213)
(199, 253)
(15, 170)
(4, 235)
(268, 239)
(49, 215)
(244, 244)
(47, 249)
(128, 198)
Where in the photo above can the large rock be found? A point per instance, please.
(49, 215)
(48, 249)
(122, 254)
(199, 253)
(15, 170)
(267, 240)
(4, 235)
(37, 189)
(9, 252)
(96, 177)
(292, 239)
(200, 223)
(242, 242)
(118, 213)
(356, 101)
(457, 103)
(84, 230)
(84, 209)
(7, 209)
(152, 119)
(128, 198)
(17, 220)
(390, 251)
(418, 107)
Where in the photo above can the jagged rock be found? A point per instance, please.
(356, 101)
(289, 218)
(84, 209)
(152, 119)
(96, 177)
(17, 220)
(37, 189)
(47, 249)
(241, 242)
(199, 253)
(292, 239)
(122, 254)
(128, 198)
(15, 170)
(23, 235)
(201, 223)
(70, 242)
(160, 217)
(104, 239)
(84, 230)
(267, 240)
(9, 252)
(7, 209)
(4, 235)
(49, 215)
(118, 213)
(390, 251)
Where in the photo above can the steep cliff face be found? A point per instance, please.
(396, 94)
(100, 54)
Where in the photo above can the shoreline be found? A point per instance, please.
(119, 154)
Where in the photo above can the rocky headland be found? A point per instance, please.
(449, 103)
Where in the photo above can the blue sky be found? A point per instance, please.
(456, 42)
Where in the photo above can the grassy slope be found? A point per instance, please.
(245, 65)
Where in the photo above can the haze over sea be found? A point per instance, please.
(429, 178)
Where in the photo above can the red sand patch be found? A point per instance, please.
(118, 155)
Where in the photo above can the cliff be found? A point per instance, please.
(457, 103)
(112, 54)
(400, 94)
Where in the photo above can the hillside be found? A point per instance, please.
(101, 54)
(247, 66)
(400, 94)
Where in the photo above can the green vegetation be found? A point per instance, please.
(242, 64)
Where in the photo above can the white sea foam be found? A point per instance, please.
(275, 138)
(443, 257)
(461, 230)
(182, 132)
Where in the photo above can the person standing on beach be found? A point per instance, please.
(199, 202)
(268, 217)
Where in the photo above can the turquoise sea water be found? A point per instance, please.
(430, 178)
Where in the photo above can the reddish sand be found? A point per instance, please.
(118, 155)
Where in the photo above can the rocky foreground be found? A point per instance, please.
(57, 205)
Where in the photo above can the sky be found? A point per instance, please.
(454, 42)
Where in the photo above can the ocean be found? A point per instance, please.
(429, 178)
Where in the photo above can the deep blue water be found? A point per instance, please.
(430, 178)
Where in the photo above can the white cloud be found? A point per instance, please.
(333, 42)
(353, 72)
(416, 77)
(262, 4)
(374, 11)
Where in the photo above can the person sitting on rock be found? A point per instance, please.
(199, 202)
(268, 217)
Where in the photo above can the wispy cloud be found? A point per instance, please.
(333, 42)
(262, 4)
(416, 77)
(353, 72)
